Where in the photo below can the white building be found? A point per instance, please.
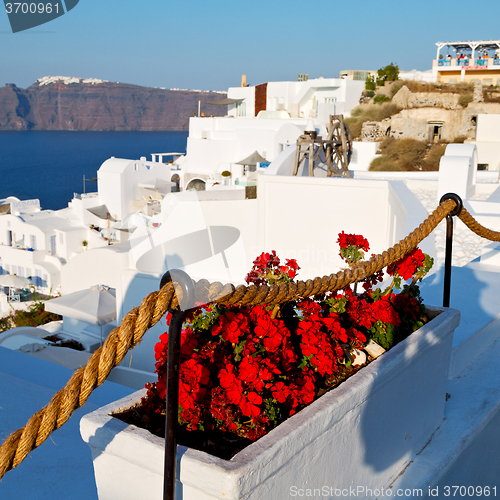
(488, 141)
(265, 118)
(37, 243)
(317, 98)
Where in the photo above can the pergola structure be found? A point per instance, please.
(472, 45)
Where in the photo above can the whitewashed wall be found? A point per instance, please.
(215, 143)
(301, 218)
(118, 181)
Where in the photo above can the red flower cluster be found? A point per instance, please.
(244, 371)
(239, 371)
(353, 240)
(408, 265)
(267, 269)
(352, 246)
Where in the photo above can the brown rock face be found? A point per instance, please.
(103, 106)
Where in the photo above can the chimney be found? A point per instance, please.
(243, 80)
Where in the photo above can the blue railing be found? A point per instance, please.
(444, 62)
(496, 62)
(462, 62)
(481, 62)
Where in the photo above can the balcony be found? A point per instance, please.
(458, 63)
(82, 196)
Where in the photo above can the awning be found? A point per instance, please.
(223, 102)
(14, 281)
(251, 160)
(101, 211)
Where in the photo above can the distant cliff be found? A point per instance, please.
(55, 103)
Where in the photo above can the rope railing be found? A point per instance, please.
(155, 305)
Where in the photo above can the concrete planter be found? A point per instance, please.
(360, 435)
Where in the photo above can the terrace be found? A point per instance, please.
(468, 61)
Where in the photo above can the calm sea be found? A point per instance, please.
(50, 165)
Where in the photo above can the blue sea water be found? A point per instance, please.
(50, 165)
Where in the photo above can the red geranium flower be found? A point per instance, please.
(408, 265)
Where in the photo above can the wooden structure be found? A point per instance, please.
(335, 150)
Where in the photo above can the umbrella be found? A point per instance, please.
(96, 305)
(156, 184)
(101, 211)
(251, 160)
(13, 281)
(223, 102)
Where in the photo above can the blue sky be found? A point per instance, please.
(210, 44)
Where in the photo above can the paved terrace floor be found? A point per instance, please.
(60, 469)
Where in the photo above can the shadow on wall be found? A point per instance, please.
(382, 422)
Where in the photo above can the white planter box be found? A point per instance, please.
(361, 434)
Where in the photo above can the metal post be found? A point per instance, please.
(172, 393)
(449, 245)
(447, 261)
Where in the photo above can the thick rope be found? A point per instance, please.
(477, 228)
(155, 305)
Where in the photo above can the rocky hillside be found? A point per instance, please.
(426, 112)
(56, 103)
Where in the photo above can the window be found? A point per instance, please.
(354, 156)
(21, 271)
(241, 109)
(330, 99)
(53, 245)
(33, 242)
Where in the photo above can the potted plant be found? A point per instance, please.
(246, 370)
(226, 174)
